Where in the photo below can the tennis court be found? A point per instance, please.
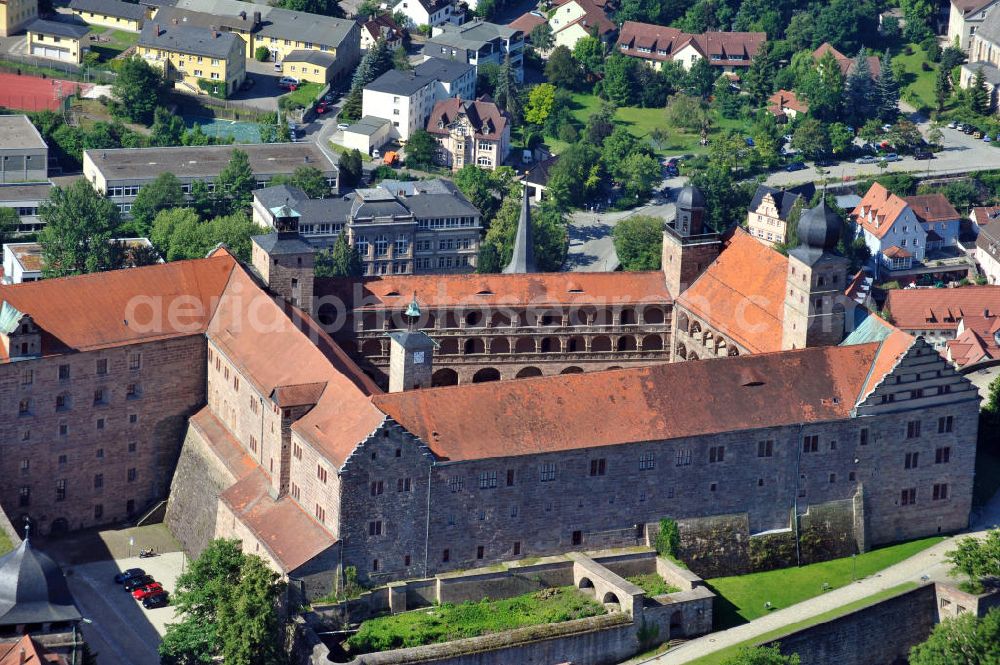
(240, 130)
(32, 93)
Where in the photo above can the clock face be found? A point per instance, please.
(418, 356)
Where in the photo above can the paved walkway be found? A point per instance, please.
(928, 565)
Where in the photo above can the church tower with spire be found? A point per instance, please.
(523, 259)
(815, 282)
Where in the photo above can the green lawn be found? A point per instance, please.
(5, 544)
(451, 622)
(652, 584)
(722, 655)
(919, 83)
(742, 598)
(301, 97)
(119, 41)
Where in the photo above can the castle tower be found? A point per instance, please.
(523, 259)
(285, 261)
(411, 355)
(816, 279)
(687, 248)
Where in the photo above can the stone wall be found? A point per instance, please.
(863, 637)
(715, 546)
(826, 531)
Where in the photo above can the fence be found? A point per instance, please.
(69, 70)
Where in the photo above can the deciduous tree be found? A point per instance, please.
(762, 656)
(562, 69)
(163, 192)
(79, 226)
(236, 182)
(350, 166)
(540, 102)
(309, 179)
(639, 242)
(962, 639)
(421, 149)
(9, 221)
(137, 89)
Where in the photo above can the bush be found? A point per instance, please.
(925, 67)
(668, 540)
(261, 54)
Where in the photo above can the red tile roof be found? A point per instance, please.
(787, 99)
(593, 17)
(664, 42)
(897, 252)
(488, 122)
(940, 309)
(34, 653)
(932, 208)
(742, 294)
(979, 341)
(120, 307)
(878, 210)
(983, 215)
(527, 22)
(499, 290)
(568, 412)
(890, 350)
(846, 63)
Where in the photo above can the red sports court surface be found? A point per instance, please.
(31, 93)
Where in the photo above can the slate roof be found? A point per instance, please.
(274, 243)
(189, 39)
(444, 70)
(59, 28)
(396, 82)
(312, 57)
(472, 35)
(940, 309)
(33, 588)
(567, 412)
(522, 259)
(784, 199)
(116, 8)
(989, 29)
(971, 6)
(487, 120)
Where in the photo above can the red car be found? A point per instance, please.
(148, 590)
(321, 108)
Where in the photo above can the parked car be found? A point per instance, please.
(867, 159)
(952, 125)
(968, 129)
(133, 583)
(886, 128)
(329, 98)
(986, 138)
(796, 166)
(126, 575)
(288, 83)
(892, 157)
(342, 126)
(147, 590)
(277, 66)
(376, 154)
(749, 141)
(321, 108)
(671, 172)
(923, 154)
(827, 161)
(152, 601)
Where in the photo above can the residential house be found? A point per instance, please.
(935, 314)
(536, 180)
(785, 105)
(115, 14)
(656, 44)
(891, 230)
(977, 341)
(980, 216)
(846, 63)
(57, 40)
(381, 27)
(988, 252)
(984, 55)
(198, 60)
(769, 210)
(477, 43)
(528, 21)
(965, 19)
(455, 79)
(430, 12)
(309, 65)
(15, 15)
(470, 132)
(573, 20)
(939, 218)
(398, 228)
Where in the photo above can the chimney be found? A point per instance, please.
(156, 29)
(243, 15)
(256, 18)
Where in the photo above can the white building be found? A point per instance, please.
(431, 12)
(965, 18)
(22, 262)
(477, 43)
(988, 252)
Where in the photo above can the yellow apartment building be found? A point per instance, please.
(16, 14)
(198, 60)
(115, 14)
(56, 40)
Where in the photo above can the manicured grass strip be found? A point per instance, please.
(303, 96)
(5, 544)
(720, 656)
(742, 597)
(452, 622)
(652, 584)
(919, 83)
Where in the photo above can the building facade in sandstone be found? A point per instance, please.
(290, 447)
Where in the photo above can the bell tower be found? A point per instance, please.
(285, 261)
(688, 248)
(411, 354)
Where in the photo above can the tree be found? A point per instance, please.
(639, 242)
(505, 94)
(640, 172)
(918, 16)
(350, 166)
(321, 7)
(589, 52)
(376, 61)
(758, 82)
(576, 175)
(725, 99)
(137, 89)
(686, 112)
(307, 178)
(618, 85)
(163, 192)
(811, 138)
(562, 69)
(175, 234)
(700, 78)
(762, 656)
(979, 96)
(342, 261)
(234, 231)
(942, 88)
(261, 54)
(823, 88)
(888, 91)
(549, 232)
(167, 128)
(488, 259)
(977, 559)
(841, 138)
(991, 407)
(668, 538)
(249, 622)
(617, 146)
(9, 221)
(871, 131)
(401, 59)
(540, 102)
(862, 101)
(905, 136)
(421, 148)
(485, 189)
(541, 37)
(485, 9)
(79, 226)
(272, 130)
(236, 182)
(962, 639)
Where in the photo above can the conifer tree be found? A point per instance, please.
(979, 96)
(862, 96)
(888, 91)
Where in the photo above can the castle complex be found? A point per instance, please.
(286, 438)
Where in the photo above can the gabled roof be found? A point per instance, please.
(846, 63)
(748, 277)
(932, 208)
(528, 21)
(878, 210)
(981, 215)
(593, 18)
(382, 26)
(26, 651)
(189, 39)
(479, 421)
(787, 99)
(784, 199)
(968, 7)
(487, 120)
(443, 69)
(539, 173)
(663, 43)
(116, 308)
(980, 341)
(59, 28)
(128, 10)
(934, 309)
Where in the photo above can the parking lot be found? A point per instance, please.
(121, 631)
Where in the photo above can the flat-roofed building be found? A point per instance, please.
(24, 155)
(25, 199)
(119, 173)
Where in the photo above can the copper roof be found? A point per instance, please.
(933, 309)
(120, 307)
(932, 208)
(878, 210)
(499, 290)
(742, 294)
(568, 412)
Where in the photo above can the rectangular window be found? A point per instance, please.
(912, 461)
(63, 372)
(480, 551)
(833, 477)
(765, 448)
(321, 473)
(487, 480)
(63, 430)
(945, 424)
(810, 444)
(27, 377)
(102, 366)
(547, 472)
(646, 462)
(598, 466)
(683, 457)
(320, 513)
(98, 481)
(913, 429)
(716, 454)
(446, 555)
(517, 547)
(510, 477)
(402, 484)
(908, 497)
(578, 537)
(940, 492)
(100, 453)
(24, 496)
(375, 528)
(61, 489)
(131, 475)
(863, 436)
(942, 455)
(375, 565)
(455, 483)
(377, 488)
(99, 396)
(133, 418)
(98, 511)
